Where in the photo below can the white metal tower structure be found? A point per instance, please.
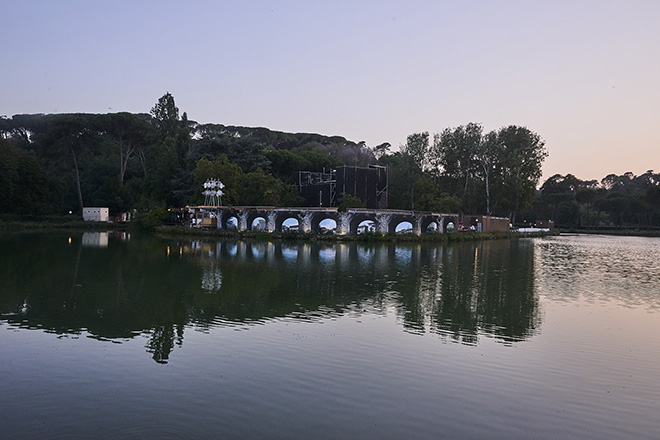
(213, 192)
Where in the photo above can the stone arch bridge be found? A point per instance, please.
(385, 221)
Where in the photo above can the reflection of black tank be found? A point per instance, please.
(369, 184)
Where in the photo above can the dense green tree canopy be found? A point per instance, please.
(53, 164)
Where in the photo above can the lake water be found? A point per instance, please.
(115, 337)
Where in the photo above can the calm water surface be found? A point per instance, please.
(112, 336)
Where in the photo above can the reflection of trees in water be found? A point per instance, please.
(162, 340)
(483, 287)
(118, 292)
(156, 288)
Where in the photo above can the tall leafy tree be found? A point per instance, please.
(131, 133)
(519, 155)
(166, 115)
(453, 155)
(68, 136)
(166, 119)
(415, 153)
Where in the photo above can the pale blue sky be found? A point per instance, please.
(585, 75)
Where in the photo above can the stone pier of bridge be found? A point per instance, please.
(385, 221)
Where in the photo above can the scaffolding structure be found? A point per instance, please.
(369, 184)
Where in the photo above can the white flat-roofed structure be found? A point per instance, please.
(96, 214)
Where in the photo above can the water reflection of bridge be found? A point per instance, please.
(456, 291)
(271, 219)
(302, 255)
(142, 286)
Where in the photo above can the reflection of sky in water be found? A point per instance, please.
(403, 254)
(290, 254)
(604, 268)
(258, 250)
(590, 373)
(365, 255)
(327, 255)
(232, 249)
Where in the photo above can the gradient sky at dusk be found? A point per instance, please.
(584, 75)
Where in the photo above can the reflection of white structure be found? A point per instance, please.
(95, 239)
(96, 214)
(211, 279)
(213, 192)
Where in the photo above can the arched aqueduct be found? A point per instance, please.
(271, 219)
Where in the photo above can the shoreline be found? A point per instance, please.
(66, 224)
(612, 232)
(450, 237)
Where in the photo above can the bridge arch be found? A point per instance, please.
(319, 216)
(283, 216)
(429, 220)
(225, 219)
(397, 219)
(359, 217)
(253, 215)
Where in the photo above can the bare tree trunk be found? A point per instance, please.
(467, 176)
(124, 158)
(486, 174)
(75, 169)
(121, 161)
(143, 161)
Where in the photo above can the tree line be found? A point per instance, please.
(55, 164)
(59, 163)
(616, 201)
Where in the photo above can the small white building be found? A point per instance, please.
(96, 214)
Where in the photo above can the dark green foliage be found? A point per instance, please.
(53, 164)
(347, 201)
(26, 187)
(148, 221)
(492, 173)
(262, 189)
(617, 201)
(140, 161)
(166, 115)
(285, 163)
(221, 169)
